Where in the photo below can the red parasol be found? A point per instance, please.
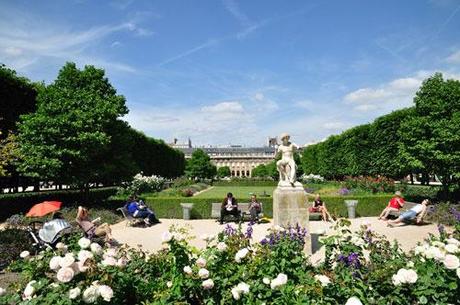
(43, 208)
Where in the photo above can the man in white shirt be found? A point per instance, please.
(417, 213)
(229, 207)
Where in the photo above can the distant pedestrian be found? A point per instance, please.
(417, 212)
(255, 208)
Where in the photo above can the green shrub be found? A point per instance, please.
(169, 207)
(21, 202)
(417, 193)
(12, 243)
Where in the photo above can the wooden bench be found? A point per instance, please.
(130, 220)
(243, 207)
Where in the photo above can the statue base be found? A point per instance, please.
(290, 207)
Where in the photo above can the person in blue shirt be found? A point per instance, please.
(138, 209)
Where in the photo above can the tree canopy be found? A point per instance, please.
(200, 166)
(223, 171)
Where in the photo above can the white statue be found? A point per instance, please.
(286, 166)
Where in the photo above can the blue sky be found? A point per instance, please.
(237, 72)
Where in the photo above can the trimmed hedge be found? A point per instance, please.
(169, 207)
(16, 203)
(245, 182)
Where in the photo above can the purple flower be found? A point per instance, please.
(455, 213)
(344, 191)
(249, 231)
(441, 229)
(229, 230)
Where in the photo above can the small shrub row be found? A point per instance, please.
(417, 193)
(169, 207)
(21, 202)
(246, 182)
(374, 185)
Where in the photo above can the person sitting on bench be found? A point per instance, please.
(319, 206)
(255, 207)
(394, 205)
(229, 207)
(417, 213)
(140, 210)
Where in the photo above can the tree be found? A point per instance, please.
(72, 129)
(260, 171)
(17, 96)
(223, 171)
(8, 153)
(431, 137)
(200, 166)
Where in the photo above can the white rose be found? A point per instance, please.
(410, 264)
(110, 252)
(451, 248)
(55, 263)
(109, 261)
(24, 254)
(437, 244)
(396, 279)
(166, 237)
(203, 273)
(29, 290)
(323, 279)
(84, 242)
(2, 291)
(188, 270)
(236, 293)
(241, 254)
(121, 262)
(453, 241)
(80, 266)
(96, 248)
(105, 292)
(169, 284)
(266, 280)
(90, 294)
(208, 284)
(221, 246)
(67, 260)
(410, 276)
(243, 287)
(451, 262)
(61, 246)
(74, 293)
(65, 274)
(201, 262)
(83, 255)
(353, 301)
(280, 280)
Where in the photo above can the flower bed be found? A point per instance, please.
(360, 267)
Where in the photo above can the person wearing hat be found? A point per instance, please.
(394, 205)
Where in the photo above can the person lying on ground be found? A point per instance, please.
(417, 213)
(89, 226)
(394, 205)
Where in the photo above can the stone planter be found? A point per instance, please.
(186, 209)
(351, 207)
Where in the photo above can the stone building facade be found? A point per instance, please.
(240, 160)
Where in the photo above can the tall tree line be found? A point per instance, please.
(423, 139)
(73, 133)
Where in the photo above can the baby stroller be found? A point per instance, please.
(47, 235)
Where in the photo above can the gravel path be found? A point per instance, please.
(150, 238)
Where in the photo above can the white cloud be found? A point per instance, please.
(224, 108)
(454, 58)
(304, 104)
(26, 41)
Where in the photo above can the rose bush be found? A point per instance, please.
(359, 268)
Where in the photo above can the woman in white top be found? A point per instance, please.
(417, 212)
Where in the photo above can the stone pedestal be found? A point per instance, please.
(290, 207)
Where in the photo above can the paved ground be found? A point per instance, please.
(151, 238)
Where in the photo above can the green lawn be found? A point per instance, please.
(242, 193)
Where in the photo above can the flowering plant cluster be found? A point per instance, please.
(311, 178)
(359, 268)
(374, 185)
(142, 184)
